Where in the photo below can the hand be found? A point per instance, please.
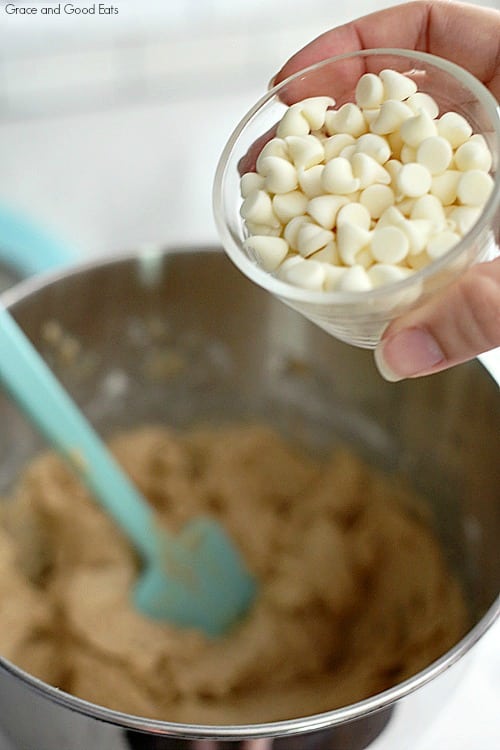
(465, 320)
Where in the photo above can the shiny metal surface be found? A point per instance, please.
(244, 354)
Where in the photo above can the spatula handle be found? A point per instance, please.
(31, 383)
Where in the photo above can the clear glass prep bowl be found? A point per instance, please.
(360, 318)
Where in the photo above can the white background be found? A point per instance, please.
(110, 132)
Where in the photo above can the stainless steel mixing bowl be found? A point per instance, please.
(244, 354)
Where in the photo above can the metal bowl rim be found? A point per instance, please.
(312, 723)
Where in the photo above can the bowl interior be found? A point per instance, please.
(184, 338)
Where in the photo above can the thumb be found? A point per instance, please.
(462, 322)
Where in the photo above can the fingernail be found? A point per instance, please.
(270, 85)
(410, 352)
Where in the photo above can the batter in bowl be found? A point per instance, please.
(355, 595)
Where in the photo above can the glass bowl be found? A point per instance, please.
(360, 317)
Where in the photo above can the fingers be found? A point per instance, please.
(394, 27)
(462, 323)
(465, 34)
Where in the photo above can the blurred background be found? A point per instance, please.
(111, 127)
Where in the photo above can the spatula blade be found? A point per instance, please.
(196, 580)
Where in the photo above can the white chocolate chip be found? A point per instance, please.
(413, 180)
(364, 258)
(370, 116)
(422, 101)
(375, 146)
(306, 151)
(274, 147)
(354, 197)
(258, 207)
(320, 135)
(254, 227)
(463, 218)
(347, 119)
(328, 253)
(396, 143)
(311, 238)
(289, 262)
(440, 243)
(418, 232)
(397, 85)
(291, 230)
(368, 171)
(355, 279)
(338, 178)
(288, 205)
(376, 199)
(354, 213)
(268, 251)
(293, 122)
(369, 91)
(324, 209)
(444, 186)
(407, 154)
(389, 245)
(381, 274)
(391, 116)
(479, 139)
(308, 274)
(392, 167)
(336, 143)
(473, 155)
(314, 110)
(416, 129)
(429, 207)
(435, 153)
(474, 187)
(249, 182)
(391, 217)
(418, 260)
(333, 274)
(350, 240)
(348, 151)
(280, 175)
(310, 180)
(416, 235)
(406, 205)
(454, 128)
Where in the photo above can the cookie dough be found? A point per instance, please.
(355, 595)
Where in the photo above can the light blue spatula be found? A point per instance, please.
(195, 578)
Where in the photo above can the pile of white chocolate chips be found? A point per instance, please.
(364, 195)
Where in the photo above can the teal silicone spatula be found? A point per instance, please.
(195, 578)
